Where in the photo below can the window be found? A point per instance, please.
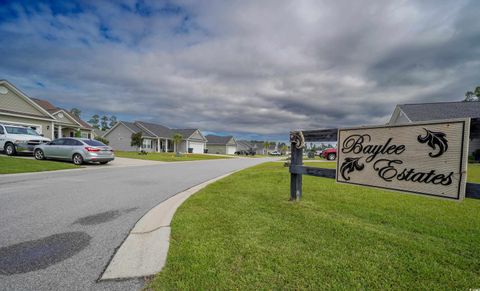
(147, 144)
(21, 130)
(59, 141)
(94, 143)
(72, 142)
(1, 130)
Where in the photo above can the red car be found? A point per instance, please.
(330, 154)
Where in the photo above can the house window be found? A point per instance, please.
(147, 143)
(85, 135)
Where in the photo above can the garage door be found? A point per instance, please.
(231, 150)
(197, 147)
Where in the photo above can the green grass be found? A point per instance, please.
(11, 165)
(168, 157)
(241, 233)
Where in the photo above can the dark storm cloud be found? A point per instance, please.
(247, 67)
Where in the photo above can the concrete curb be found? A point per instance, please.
(144, 251)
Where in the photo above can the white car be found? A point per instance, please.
(275, 153)
(14, 139)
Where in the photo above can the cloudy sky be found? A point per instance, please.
(257, 69)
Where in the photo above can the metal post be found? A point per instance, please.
(297, 144)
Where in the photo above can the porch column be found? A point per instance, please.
(158, 145)
(186, 145)
(53, 131)
(60, 131)
(166, 145)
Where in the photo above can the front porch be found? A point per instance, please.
(59, 131)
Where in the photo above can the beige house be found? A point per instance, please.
(16, 108)
(156, 138)
(225, 145)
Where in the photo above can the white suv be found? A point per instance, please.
(14, 138)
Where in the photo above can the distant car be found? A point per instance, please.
(275, 153)
(245, 153)
(77, 150)
(330, 154)
(15, 139)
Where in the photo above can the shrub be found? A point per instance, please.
(101, 139)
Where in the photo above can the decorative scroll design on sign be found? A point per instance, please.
(297, 138)
(350, 165)
(434, 139)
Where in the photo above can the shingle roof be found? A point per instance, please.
(185, 132)
(156, 129)
(133, 127)
(217, 139)
(52, 109)
(441, 110)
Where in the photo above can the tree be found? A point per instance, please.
(75, 111)
(78, 133)
(104, 122)
(284, 149)
(137, 140)
(113, 121)
(94, 121)
(473, 96)
(177, 138)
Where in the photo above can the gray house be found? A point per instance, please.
(156, 137)
(226, 145)
(406, 113)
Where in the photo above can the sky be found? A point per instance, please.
(254, 69)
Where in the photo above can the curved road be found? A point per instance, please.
(58, 230)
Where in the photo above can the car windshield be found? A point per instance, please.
(20, 130)
(94, 143)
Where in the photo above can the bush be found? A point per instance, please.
(101, 139)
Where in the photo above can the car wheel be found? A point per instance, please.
(331, 157)
(77, 159)
(39, 155)
(10, 149)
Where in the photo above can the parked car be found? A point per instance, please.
(330, 154)
(245, 153)
(77, 150)
(275, 153)
(15, 139)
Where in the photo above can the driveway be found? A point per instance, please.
(60, 229)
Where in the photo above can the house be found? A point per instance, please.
(99, 132)
(156, 137)
(244, 145)
(406, 113)
(17, 108)
(226, 145)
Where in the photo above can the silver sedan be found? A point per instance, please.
(77, 150)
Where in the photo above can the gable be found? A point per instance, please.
(11, 101)
(197, 136)
(119, 130)
(64, 118)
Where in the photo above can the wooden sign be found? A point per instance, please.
(422, 158)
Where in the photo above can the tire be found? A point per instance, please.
(331, 156)
(39, 155)
(77, 159)
(103, 163)
(10, 149)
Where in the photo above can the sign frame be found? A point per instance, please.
(463, 163)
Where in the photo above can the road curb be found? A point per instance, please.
(144, 251)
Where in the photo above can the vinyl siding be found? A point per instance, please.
(196, 137)
(120, 138)
(13, 102)
(65, 119)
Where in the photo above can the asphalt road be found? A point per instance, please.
(58, 230)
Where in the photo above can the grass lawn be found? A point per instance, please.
(11, 165)
(241, 233)
(168, 157)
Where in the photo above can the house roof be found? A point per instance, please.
(157, 129)
(440, 110)
(217, 139)
(185, 132)
(133, 127)
(99, 132)
(53, 109)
